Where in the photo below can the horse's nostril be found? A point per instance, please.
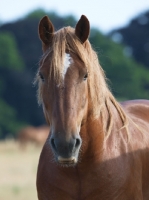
(65, 149)
(53, 144)
(78, 142)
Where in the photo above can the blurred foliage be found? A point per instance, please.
(19, 55)
(57, 20)
(10, 62)
(128, 77)
(136, 37)
(36, 14)
(10, 57)
(8, 121)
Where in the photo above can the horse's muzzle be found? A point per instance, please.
(66, 152)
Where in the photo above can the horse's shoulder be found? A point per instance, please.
(135, 104)
(137, 108)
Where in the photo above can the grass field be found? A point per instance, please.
(18, 169)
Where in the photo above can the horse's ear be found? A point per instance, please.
(82, 29)
(46, 30)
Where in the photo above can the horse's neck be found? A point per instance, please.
(93, 137)
(94, 132)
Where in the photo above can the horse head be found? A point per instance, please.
(63, 86)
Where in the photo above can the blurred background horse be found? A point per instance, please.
(34, 135)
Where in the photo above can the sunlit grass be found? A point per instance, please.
(18, 169)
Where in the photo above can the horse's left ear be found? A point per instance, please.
(82, 29)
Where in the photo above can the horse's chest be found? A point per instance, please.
(106, 183)
(98, 182)
(93, 185)
(113, 179)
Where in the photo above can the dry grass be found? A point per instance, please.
(18, 171)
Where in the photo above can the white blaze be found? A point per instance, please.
(67, 62)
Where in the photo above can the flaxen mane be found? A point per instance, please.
(99, 92)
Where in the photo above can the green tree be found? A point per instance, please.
(10, 63)
(9, 125)
(127, 77)
(10, 58)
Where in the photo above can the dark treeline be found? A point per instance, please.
(20, 51)
(136, 37)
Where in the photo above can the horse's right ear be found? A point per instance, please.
(46, 30)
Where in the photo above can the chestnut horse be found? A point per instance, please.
(97, 149)
(30, 134)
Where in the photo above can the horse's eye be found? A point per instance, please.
(85, 77)
(41, 76)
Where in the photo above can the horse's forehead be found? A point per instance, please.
(68, 61)
(57, 69)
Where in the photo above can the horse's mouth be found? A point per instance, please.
(67, 161)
